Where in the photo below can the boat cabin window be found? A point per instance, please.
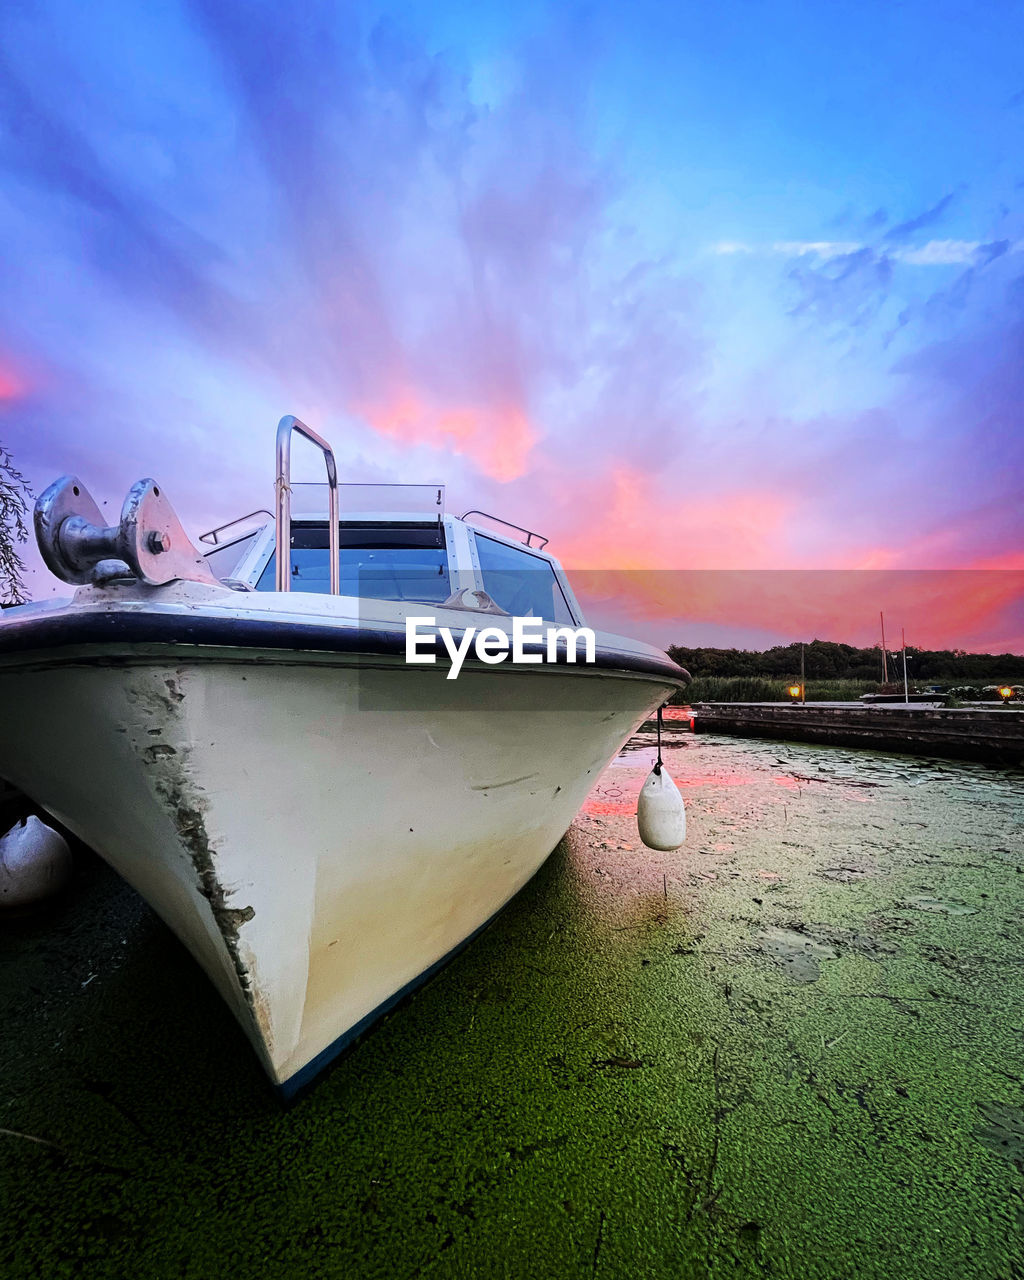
(225, 560)
(523, 584)
(378, 562)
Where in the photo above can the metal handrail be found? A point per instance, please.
(211, 535)
(509, 525)
(283, 495)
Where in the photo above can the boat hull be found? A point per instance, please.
(321, 830)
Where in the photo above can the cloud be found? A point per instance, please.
(12, 384)
(643, 524)
(939, 253)
(939, 608)
(925, 219)
(497, 440)
(819, 248)
(139, 247)
(995, 249)
(849, 289)
(933, 253)
(365, 243)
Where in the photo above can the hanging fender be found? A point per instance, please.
(660, 812)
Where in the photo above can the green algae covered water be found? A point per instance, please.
(791, 1049)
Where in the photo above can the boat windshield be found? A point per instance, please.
(225, 560)
(523, 584)
(378, 562)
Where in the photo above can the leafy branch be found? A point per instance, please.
(14, 499)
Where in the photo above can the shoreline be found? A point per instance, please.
(994, 735)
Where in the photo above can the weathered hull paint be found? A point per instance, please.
(319, 834)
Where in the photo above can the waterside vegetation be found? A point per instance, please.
(14, 500)
(763, 689)
(840, 672)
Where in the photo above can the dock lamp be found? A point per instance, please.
(1006, 693)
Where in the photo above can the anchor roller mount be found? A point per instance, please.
(149, 543)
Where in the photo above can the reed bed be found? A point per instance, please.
(761, 689)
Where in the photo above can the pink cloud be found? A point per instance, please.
(498, 439)
(635, 522)
(953, 608)
(12, 385)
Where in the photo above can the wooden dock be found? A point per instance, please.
(995, 735)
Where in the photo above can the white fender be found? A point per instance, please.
(660, 812)
(35, 862)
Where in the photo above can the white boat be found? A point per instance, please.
(239, 734)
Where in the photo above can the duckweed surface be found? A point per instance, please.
(792, 1049)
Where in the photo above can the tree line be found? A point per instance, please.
(828, 660)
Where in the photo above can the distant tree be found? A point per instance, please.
(827, 660)
(14, 499)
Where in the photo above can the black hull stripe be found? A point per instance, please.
(45, 636)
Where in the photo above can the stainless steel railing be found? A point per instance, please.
(283, 493)
(213, 535)
(530, 534)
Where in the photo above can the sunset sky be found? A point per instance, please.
(733, 286)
